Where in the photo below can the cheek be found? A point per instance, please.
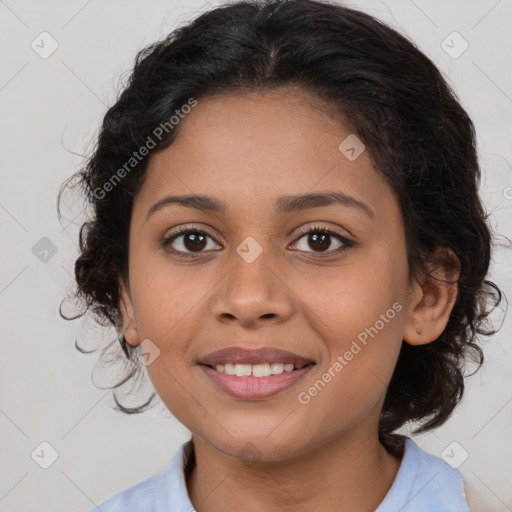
(172, 388)
(353, 299)
(362, 330)
(359, 314)
(166, 296)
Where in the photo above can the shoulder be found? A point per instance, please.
(160, 493)
(424, 483)
(140, 496)
(438, 482)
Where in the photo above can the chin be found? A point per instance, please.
(252, 447)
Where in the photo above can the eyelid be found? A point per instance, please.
(315, 228)
(302, 231)
(187, 229)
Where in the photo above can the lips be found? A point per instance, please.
(254, 374)
(239, 355)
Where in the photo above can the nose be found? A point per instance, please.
(252, 294)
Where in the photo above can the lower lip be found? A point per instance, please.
(253, 388)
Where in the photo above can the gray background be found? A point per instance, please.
(50, 110)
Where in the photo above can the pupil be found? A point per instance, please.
(320, 240)
(195, 241)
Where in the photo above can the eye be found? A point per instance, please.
(194, 240)
(189, 240)
(320, 237)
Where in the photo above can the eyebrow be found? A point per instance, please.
(284, 204)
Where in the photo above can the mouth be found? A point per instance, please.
(254, 374)
(257, 370)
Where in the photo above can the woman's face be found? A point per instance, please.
(257, 281)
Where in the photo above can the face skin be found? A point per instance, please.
(247, 151)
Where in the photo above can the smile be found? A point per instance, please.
(257, 370)
(254, 374)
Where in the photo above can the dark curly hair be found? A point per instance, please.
(389, 93)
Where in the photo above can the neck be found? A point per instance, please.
(350, 473)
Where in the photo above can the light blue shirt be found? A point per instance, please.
(424, 483)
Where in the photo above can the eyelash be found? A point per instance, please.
(312, 229)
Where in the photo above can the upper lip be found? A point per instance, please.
(239, 355)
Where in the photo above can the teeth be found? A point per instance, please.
(276, 368)
(256, 370)
(228, 368)
(261, 370)
(243, 370)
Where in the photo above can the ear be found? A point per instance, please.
(432, 299)
(127, 312)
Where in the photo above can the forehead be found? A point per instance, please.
(248, 149)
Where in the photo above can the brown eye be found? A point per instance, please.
(320, 240)
(190, 240)
(187, 241)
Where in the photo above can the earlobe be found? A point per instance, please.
(432, 300)
(129, 326)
